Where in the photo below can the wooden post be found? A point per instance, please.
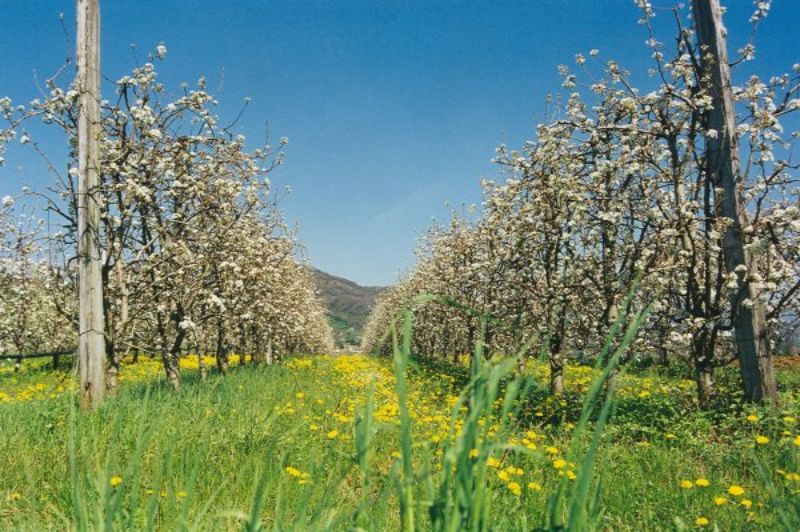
(723, 168)
(91, 320)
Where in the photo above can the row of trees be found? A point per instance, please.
(686, 188)
(193, 252)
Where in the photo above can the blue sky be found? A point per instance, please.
(392, 108)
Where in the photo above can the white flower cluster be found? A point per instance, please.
(196, 253)
(614, 190)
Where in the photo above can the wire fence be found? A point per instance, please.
(56, 355)
(19, 357)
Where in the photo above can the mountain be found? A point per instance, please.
(348, 304)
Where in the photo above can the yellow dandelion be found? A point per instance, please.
(736, 490)
(797, 440)
(686, 484)
(752, 418)
(332, 434)
(762, 440)
(559, 464)
(473, 453)
(115, 481)
(701, 521)
(747, 503)
(515, 488)
(702, 482)
(720, 501)
(534, 486)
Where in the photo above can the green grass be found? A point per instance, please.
(214, 456)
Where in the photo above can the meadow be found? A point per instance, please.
(326, 442)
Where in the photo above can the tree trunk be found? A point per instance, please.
(202, 366)
(222, 353)
(112, 371)
(171, 358)
(91, 349)
(704, 376)
(268, 356)
(722, 159)
(703, 356)
(556, 374)
(172, 369)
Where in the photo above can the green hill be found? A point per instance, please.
(348, 305)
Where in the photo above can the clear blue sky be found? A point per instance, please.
(393, 108)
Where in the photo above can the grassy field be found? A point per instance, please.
(325, 443)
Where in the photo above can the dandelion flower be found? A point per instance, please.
(762, 440)
(332, 434)
(747, 503)
(515, 488)
(559, 464)
(534, 486)
(720, 501)
(752, 418)
(797, 440)
(736, 490)
(702, 482)
(686, 484)
(701, 521)
(473, 453)
(115, 481)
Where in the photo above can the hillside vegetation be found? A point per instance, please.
(348, 305)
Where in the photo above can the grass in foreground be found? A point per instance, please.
(295, 446)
